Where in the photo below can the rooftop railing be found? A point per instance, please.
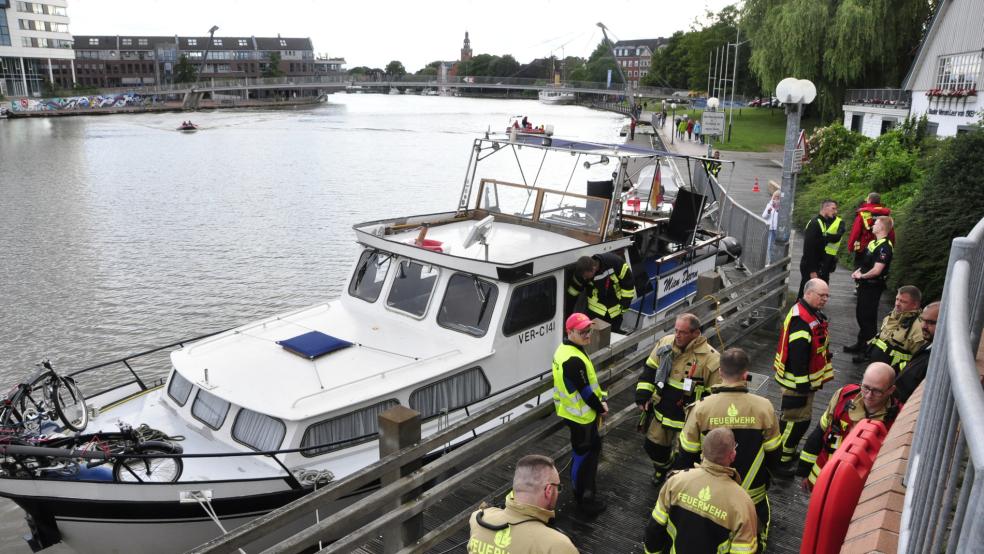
(879, 97)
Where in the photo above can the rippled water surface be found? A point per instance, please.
(119, 234)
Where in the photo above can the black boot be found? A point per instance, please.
(854, 348)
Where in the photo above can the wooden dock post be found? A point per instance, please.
(399, 427)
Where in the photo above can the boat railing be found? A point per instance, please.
(733, 312)
(944, 499)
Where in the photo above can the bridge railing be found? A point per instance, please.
(944, 500)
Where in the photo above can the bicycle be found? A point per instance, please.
(46, 396)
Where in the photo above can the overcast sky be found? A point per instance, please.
(374, 32)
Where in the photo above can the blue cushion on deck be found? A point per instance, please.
(313, 344)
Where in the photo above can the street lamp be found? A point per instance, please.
(673, 125)
(793, 93)
(211, 33)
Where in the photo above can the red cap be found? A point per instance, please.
(577, 321)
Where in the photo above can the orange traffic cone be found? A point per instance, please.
(755, 187)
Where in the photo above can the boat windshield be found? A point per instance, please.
(584, 213)
(370, 273)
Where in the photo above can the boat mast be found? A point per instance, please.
(611, 46)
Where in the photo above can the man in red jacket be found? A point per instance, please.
(861, 231)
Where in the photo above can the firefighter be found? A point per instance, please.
(915, 370)
(521, 527)
(872, 399)
(802, 366)
(605, 280)
(752, 420)
(579, 400)
(680, 369)
(704, 509)
(901, 332)
(862, 230)
(871, 278)
(821, 238)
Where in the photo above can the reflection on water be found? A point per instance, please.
(119, 234)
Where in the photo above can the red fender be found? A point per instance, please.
(839, 487)
(432, 245)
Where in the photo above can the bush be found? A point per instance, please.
(949, 204)
(828, 146)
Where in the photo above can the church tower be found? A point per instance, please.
(466, 51)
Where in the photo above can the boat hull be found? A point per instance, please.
(149, 518)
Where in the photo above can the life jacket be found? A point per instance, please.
(894, 339)
(820, 370)
(829, 231)
(841, 424)
(569, 404)
(860, 237)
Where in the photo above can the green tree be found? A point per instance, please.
(667, 67)
(598, 64)
(505, 66)
(837, 44)
(272, 67)
(430, 69)
(950, 203)
(395, 69)
(184, 71)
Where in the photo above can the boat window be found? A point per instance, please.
(341, 432)
(209, 409)
(450, 394)
(510, 199)
(179, 389)
(412, 287)
(531, 304)
(579, 212)
(468, 304)
(258, 431)
(369, 275)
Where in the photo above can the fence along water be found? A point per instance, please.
(734, 219)
(944, 501)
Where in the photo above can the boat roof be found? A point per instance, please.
(583, 147)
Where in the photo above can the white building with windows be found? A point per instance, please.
(943, 82)
(34, 38)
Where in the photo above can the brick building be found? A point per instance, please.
(635, 57)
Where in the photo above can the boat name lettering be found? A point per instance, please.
(541, 331)
(681, 278)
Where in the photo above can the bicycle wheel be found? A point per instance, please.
(153, 469)
(70, 404)
(27, 407)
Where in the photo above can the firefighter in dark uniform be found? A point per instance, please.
(579, 399)
(901, 333)
(680, 369)
(713, 166)
(606, 282)
(872, 399)
(704, 509)
(752, 420)
(871, 278)
(821, 238)
(521, 527)
(802, 366)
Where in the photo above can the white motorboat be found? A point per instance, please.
(443, 313)
(557, 96)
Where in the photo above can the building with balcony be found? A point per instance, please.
(137, 61)
(324, 65)
(635, 57)
(34, 39)
(942, 82)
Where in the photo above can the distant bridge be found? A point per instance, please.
(193, 92)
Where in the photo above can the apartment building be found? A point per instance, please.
(635, 57)
(34, 40)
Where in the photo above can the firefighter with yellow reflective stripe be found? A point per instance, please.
(521, 527)
(680, 370)
(579, 399)
(872, 399)
(821, 232)
(605, 283)
(704, 509)
(802, 366)
(752, 420)
(832, 232)
(901, 333)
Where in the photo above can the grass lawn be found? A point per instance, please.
(755, 129)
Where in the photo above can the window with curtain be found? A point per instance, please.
(258, 431)
(209, 409)
(179, 389)
(450, 394)
(531, 304)
(347, 430)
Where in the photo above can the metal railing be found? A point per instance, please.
(879, 97)
(944, 501)
(734, 219)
